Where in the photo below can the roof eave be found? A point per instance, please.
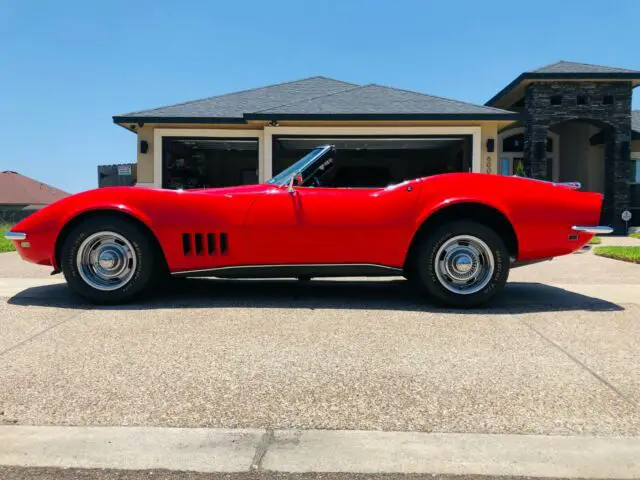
(383, 116)
(620, 76)
(208, 120)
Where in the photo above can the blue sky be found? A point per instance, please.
(66, 67)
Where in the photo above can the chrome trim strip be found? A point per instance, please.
(570, 185)
(284, 265)
(15, 236)
(592, 229)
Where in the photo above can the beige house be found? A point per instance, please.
(250, 136)
(563, 122)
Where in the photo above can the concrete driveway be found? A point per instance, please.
(555, 354)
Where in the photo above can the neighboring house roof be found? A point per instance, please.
(563, 70)
(635, 121)
(315, 97)
(16, 189)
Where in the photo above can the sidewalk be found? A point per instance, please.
(618, 241)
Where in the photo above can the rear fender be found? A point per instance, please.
(431, 213)
(443, 203)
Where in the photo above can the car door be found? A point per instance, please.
(319, 225)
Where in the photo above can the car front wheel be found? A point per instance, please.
(108, 260)
(462, 264)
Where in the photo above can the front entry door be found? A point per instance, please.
(331, 225)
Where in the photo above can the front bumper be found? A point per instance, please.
(15, 236)
(596, 230)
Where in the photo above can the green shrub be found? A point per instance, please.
(5, 245)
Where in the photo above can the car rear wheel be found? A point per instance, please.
(108, 260)
(462, 264)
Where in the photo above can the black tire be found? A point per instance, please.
(425, 264)
(145, 274)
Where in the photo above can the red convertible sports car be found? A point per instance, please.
(454, 235)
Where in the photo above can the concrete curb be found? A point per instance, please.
(242, 450)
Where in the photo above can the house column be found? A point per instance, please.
(617, 175)
(535, 149)
(266, 157)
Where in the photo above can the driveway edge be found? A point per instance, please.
(236, 450)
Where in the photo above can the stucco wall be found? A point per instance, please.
(145, 160)
(595, 158)
(579, 161)
(489, 160)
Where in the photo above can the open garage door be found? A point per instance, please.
(207, 162)
(379, 161)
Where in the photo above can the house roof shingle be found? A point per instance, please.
(378, 99)
(235, 104)
(563, 70)
(16, 189)
(317, 97)
(572, 67)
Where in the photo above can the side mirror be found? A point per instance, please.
(296, 179)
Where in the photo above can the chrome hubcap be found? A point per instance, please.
(106, 261)
(464, 264)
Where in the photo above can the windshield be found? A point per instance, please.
(299, 166)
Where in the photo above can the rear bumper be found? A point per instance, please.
(596, 230)
(15, 236)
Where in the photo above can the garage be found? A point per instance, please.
(362, 161)
(382, 135)
(377, 161)
(209, 162)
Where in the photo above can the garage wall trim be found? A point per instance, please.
(160, 133)
(265, 137)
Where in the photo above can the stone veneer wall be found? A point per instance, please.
(615, 118)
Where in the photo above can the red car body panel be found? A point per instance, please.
(268, 225)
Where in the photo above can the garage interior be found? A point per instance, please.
(380, 161)
(206, 162)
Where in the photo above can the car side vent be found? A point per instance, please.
(186, 243)
(198, 239)
(204, 244)
(224, 244)
(211, 243)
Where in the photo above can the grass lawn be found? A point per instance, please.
(626, 254)
(5, 245)
(595, 241)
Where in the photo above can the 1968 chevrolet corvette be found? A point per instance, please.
(454, 235)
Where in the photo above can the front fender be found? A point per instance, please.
(44, 227)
